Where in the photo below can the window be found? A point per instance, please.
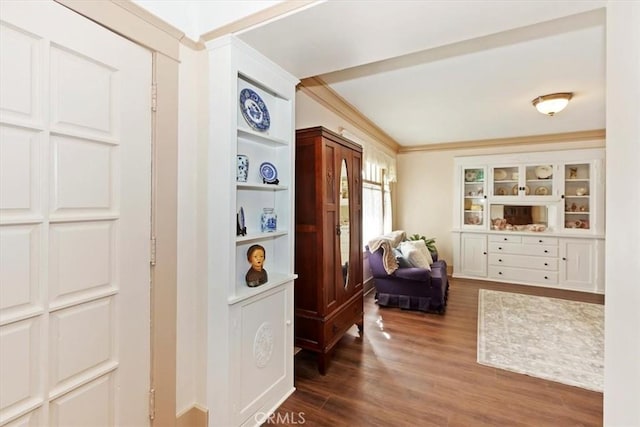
(378, 172)
(376, 203)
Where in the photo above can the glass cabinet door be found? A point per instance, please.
(530, 181)
(474, 196)
(577, 196)
(539, 181)
(506, 182)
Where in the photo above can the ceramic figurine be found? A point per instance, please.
(573, 173)
(256, 275)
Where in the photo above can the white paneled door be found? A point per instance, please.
(75, 200)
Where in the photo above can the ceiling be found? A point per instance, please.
(432, 72)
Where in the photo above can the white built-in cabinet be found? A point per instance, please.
(249, 357)
(473, 260)
(531, 218)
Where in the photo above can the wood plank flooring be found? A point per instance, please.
(417, 369)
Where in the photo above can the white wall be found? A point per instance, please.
(425, 189)
(195, 18)
(622, 306)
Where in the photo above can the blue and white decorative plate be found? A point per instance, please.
(254, 110)
(241, 217)
(268, 172)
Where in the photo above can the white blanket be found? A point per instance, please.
(387, 242)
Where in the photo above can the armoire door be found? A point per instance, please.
(344, 264)
(330, 242)
(75, 199)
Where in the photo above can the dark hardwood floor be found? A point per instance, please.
(417, 369)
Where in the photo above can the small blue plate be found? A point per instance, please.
(254, 110)
(268, 172)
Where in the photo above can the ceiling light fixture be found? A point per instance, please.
(552, 103)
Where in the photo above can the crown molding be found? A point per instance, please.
(317, 89)
(574, 137)
(256, 18)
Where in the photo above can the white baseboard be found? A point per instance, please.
(196, 416)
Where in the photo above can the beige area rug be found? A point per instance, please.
(548, 338)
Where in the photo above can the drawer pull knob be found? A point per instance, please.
(499, 272)
(564, 259)
(546, 251)
(540, 241)
(546, 263)
(484, 253)
(499, 260)
(288, 322)
(499, 248)
(505, 239)
(546, 277)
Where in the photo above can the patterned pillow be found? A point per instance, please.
(416, 256)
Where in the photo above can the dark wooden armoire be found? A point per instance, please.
(328, 246)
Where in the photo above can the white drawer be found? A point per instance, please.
(524, 261)
(542, 240)
(520, 249)
(504, 239)
(523, 275)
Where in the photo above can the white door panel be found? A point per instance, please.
(75, 201)
(20, 294)
(20, 166)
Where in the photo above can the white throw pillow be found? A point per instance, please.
(421, 246)
(415, 255)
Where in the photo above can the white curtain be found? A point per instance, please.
(372, 212)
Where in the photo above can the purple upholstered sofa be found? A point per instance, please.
(410, 288)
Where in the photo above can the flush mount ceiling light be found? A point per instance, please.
(552, 103)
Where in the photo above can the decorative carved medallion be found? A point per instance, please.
(263, 345)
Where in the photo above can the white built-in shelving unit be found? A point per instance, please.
(250, 330)
(553, 206)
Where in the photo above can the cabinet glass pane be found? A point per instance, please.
(577, 210)
(474, 201)
(539, 180)
(505, 181)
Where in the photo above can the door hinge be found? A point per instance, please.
(154, 96)
(152, 404)
(152, 255)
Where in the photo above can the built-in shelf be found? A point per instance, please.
(259, 186)
(261, 138)
(260, 236)
(275, 280)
